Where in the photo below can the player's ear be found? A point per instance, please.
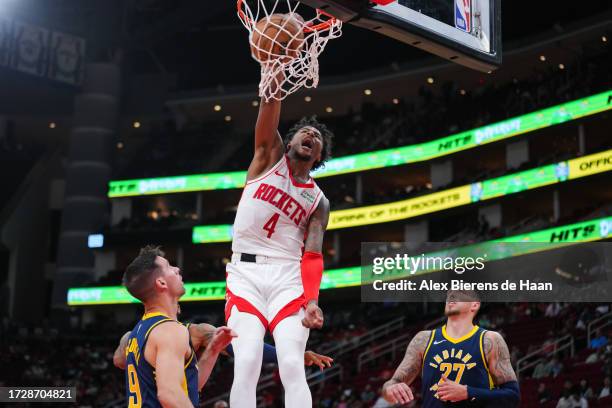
(161, 283)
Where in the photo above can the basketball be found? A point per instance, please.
(277, 36)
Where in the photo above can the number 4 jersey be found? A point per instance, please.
(273, 214)
(462, 360)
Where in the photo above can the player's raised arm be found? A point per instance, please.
(170, 343)
(397, 390)
(268, 142)
(119, 358)
(312, 264)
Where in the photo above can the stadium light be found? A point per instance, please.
(430, 80)
(368, 92)
(307, 98)
(329, 109)
(217, 108)
(255, 103)
(136, 125)
(542, 58)
(52, 125)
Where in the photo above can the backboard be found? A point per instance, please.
(467, 32)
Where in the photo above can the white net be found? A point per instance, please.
(286, 44)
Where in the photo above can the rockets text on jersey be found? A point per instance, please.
(273, 214)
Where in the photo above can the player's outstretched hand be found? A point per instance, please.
(452, 391)
(314, 317)
(312, 358)
(221, 338)
(399, 393)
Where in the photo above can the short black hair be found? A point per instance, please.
(326, 134)
(140, 273)
(463, 295)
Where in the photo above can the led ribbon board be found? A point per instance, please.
(442, 200)
(382, 158)
(593, 230)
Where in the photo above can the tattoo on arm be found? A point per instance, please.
(498, 358)
(317, 226)
(410, 366)
(206, 332)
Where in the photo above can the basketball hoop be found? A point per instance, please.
(286, 45)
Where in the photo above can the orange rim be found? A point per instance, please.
(324, 25)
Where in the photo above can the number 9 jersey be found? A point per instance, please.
(140, 383)
(462, 360)
(273, 214)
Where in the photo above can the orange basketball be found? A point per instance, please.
(277, 36)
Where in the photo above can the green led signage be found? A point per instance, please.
(592, 230)
(382, 158)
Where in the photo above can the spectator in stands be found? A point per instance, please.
(572, 399)
(585, 389)
(543, 369)
(549, 344)
(515, 355)
(557, 366)
(553, 309)
(367, 395)
(583, 319)
(484, 322)
(381, 402)
(596, 356)
(543, 393)
(605, 391)
(599, 340)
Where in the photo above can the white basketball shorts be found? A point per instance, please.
(270, 289)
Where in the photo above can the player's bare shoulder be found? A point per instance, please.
(171, 334)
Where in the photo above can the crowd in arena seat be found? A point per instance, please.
(401, 124)
(375, 127)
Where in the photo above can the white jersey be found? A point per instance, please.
(273, 214)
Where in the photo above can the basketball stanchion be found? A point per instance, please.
(286, 44)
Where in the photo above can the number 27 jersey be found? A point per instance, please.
(273, 214)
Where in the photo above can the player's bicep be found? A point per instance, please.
(171, 343)
(498, 358)
(317, 226)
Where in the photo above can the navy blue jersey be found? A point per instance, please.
(140, 385)
(462, 360)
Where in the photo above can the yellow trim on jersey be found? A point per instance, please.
(152, 314)
(431, 337)
(154, 325)
(484, 360)
(460, 339)
(190, 358)
(184, 384)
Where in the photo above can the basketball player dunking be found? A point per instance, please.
(461, 365)
(276, 268)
